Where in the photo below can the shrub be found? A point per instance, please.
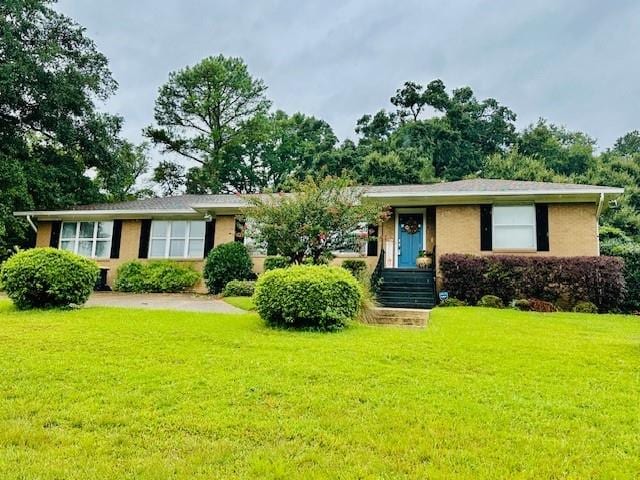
(160, 276)
(316, 297)
(630, 254)
(536, 305)
(47, 278)
(596, 279)
(226, 262)
(585, 307)
(521, 304)
(239, 288)
(276, 261)
(356, 267)
(452, 302)
(130, 277)
(490, 301)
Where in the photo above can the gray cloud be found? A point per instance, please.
(573, 62)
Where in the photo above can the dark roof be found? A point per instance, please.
(483, 185)
(177, 202)
(473, 187)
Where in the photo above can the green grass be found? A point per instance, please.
(245, 303)
(110, 393)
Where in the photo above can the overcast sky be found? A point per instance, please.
(576, 63)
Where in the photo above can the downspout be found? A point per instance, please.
(33, 225)
(598, 212)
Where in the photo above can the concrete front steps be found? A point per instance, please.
(403, 317)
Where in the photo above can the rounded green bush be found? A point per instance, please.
(521, 304)
(316, 297)
(356, 267)
(585, 307)
(226, 262)
(162, 276)
(48, 278)
(452, 302)
(239, 288)
(490, 301)
(130, 277)
(276, 261)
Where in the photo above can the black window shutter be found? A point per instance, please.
(486, 237)
(115, 238)
(542, 227)
(54, 240)
(372, 245)
(145, 233)
(210, 232)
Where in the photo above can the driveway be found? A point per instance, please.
(185, 302)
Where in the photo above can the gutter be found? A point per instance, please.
(98, 213)
(33, 225)
(598, 212)
(600, 205)
(614, 191)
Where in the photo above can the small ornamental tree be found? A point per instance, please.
(314, 220)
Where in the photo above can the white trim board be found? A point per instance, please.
(396, 240)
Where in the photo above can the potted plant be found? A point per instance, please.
(423, 260)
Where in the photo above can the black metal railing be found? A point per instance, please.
(376, 275)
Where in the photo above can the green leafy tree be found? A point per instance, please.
(203, 112)
(314, 220)
(628, 144)
(562, 151)
(170, 176)
(51, 76)
(410, 100)
(516, 166)
(120, 181)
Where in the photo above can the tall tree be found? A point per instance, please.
(120, 182)
(51, 76)
(628, 144)
(410, 100)
(561, 150)
(170, 176)
(203, 112)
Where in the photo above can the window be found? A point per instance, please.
(514, 226)
(247, 232)
(89, 239)
(356, 243)
(177, 239)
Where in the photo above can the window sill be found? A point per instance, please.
(176, 259)
(348, 254)
(514, 250)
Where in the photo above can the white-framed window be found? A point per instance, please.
(356, 244)
(249, 234)
(89, 239)
(177, 239)
(514, 227)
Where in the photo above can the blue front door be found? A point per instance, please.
(411, 227)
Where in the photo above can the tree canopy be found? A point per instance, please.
(216, 131)
(51, 132)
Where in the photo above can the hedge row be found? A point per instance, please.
(630, 254)
(564, 281)
(161, 276)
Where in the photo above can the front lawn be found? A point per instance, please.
(112, 393)
(245, 303)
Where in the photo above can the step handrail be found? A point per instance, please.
(376, 275)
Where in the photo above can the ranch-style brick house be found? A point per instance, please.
(479, 216)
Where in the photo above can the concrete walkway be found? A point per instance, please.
(186, 302)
